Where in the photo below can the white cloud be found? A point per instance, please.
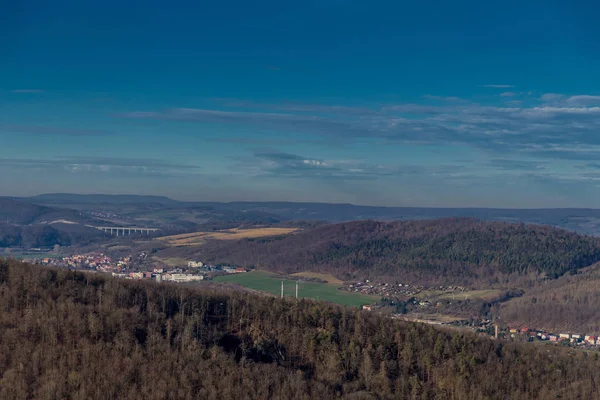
(584, 100)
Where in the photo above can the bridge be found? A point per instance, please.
(124, 231)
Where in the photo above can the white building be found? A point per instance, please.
(565, 336)
(194, 264)
(186, 278)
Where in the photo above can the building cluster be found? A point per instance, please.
(575, 339)
(92, 262)
(399, 289)
(194, 272)
(160, 275)
(124, 268)
(102, 214)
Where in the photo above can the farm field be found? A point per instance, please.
(270, 283)
(326, 277)
(199, 238)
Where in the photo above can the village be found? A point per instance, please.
(398, 289)
(125, 268)
(522, 333)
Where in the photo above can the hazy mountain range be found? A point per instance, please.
(131, 206)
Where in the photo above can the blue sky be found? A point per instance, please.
(430, 103)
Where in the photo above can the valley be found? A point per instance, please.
(449, 269)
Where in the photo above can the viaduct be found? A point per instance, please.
(125, 231)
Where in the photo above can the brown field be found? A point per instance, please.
(326, 277)
(199, 238)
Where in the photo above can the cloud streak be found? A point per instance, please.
(101, 164)
(27, 91)
(495, 129)
(498, 86)
(51, 130)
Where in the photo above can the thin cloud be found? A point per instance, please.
(508, 94)
(498, 130)
(276, 164)
(51, 130)
(442, 98)
(499, 86)
(100, 164)
(27, 91)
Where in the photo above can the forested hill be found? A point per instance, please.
(435, 250)
(67, 335)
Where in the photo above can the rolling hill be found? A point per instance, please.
(19, 212)
(446, 250)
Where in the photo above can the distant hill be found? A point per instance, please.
(580, 220)
(445, 250)
(46, 235)
(20, 212)
(66, 198)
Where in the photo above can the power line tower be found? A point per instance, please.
(296, 289)
(282, 289)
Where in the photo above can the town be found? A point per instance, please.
(125, 268)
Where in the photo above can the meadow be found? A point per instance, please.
(266, 282)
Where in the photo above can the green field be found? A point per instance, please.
(270, 283)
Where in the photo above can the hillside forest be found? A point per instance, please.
(455, 250)
(70, 335)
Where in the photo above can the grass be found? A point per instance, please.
(326, 277)
(270, 283)
(199, 238)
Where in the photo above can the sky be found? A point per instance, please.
(430, 103)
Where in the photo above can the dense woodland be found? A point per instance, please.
(448, 250)
(568, 304)
(68, 335)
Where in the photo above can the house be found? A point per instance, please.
(239, 270)
(367, 308)
(553, 338)
(513, 330)
(194, 264)
(524, 330)
(590, 339)
(564, 336)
